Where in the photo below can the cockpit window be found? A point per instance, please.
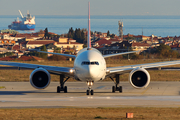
(89, 63)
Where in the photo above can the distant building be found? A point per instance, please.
(68, 43)
(102, 42)
(140, 46)
(124, 46)
(105, 42)
(38, 43)
(60, 43)
(6, 36)
(137, 37)
(4, 50)
(26, 37)
(5, 42)
(9, 31)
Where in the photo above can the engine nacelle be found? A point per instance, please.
(139, 78)
(40, 78)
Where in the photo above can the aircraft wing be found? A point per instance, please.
(51, 69)
(66, 55)
(116, 54)
(127, 69)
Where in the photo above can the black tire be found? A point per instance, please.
(92, 92)
(65, 89)
(120, 89)
(58, 89)
(113, 89)
(87, 92)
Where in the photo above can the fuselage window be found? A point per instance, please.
(96, 63)
(89, 63)
(92, 63)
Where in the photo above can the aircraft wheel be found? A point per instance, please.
(58, 89)
(87, 92)
(65, 89)
(92, 92)
(120, 89)
(113, 89)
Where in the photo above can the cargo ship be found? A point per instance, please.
(27, 23)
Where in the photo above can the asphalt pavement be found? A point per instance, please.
(22, 94)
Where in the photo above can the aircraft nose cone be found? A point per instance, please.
(89, 73)
(93, 71)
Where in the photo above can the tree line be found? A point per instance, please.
(77, 34)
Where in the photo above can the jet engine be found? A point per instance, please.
(40, 78)
(139, 78)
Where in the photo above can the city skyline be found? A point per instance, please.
(98, 7)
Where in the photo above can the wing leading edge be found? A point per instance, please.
(116, 54)
(66, 55)
(51, 69)
(126, 69)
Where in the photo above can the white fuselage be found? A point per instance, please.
(90, 65)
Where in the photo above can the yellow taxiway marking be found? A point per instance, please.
(1, 87)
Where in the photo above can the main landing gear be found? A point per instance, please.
(89, 83)
(62, 87)
(116, 81)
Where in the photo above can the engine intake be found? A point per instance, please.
(40, 78)
(139, 78)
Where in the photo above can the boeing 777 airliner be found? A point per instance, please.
(89, 67)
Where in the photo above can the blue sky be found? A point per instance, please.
(98, 7)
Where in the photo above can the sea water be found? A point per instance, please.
(137, 25)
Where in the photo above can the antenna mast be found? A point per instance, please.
(120, 29)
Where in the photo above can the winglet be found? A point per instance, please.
(89, 29)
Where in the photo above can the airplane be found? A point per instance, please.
(89, 67)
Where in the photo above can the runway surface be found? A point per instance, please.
(22, 94)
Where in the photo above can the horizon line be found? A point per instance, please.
(91, 15)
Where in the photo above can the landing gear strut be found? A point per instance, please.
(116, 87)
(89, 83)
(62, 87)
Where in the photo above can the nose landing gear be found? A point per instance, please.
(89, 83)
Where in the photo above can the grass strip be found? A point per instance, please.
(89, 113)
